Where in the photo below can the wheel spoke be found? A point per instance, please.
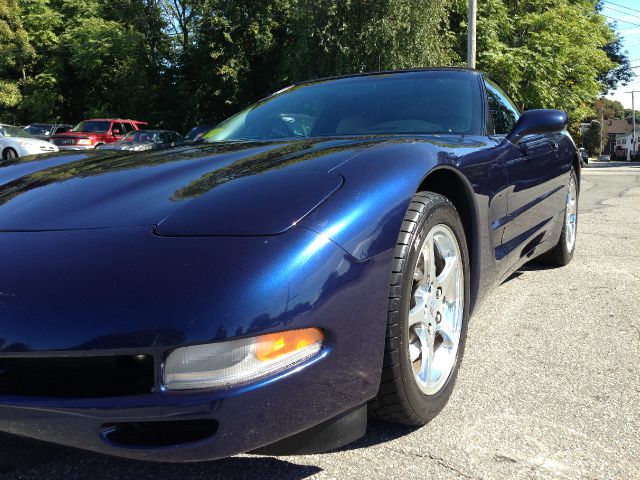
(421, 332)
(414, 351)
(427, 357)
(447, 328)
(429, 258)
(418, 312)
(447, 280)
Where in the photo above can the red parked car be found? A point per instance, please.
(89, 134)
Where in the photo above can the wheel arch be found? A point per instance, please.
(577, 167)
(452, 184)
(6, 149)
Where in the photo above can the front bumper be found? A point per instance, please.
(76, 147)
(127, 291)
(30, 150)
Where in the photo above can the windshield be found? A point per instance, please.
(39, 129)
(11, 131)
(97, 126)
(196, 132)
(427, 102)
(141, 136)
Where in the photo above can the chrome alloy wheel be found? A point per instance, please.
(436, 311)
(571, 214)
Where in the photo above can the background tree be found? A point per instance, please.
(15, 53)
(592, 138)
(334, 37)
(546, 54)
(176, 63)
(628, 115)
(622, 73)
(611, 109)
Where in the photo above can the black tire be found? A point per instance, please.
(560, 255)
(399, 398)
(9, 154)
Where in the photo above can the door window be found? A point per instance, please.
(118, 126)
(503, 114)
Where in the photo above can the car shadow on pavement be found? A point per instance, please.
(378, 432)
(31, 459)
(527, 267)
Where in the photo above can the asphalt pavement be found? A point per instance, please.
(549, 387)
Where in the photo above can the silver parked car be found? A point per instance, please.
(15, 142)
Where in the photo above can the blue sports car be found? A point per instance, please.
(314, 261)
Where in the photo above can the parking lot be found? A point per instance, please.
(549, 388)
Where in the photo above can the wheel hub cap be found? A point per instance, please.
(435, 317)
(571, 214)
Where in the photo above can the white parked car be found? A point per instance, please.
(15, 142)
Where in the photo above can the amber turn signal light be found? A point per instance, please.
(275, 345)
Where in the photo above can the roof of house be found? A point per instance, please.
(616, 126)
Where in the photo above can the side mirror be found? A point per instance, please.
(538, 121)
(115, 132)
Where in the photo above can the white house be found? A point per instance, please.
(624, 144)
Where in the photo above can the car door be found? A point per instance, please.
(118, 131)
(164, 140)
(534, 180)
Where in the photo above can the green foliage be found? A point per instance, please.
(10, 95)
(609, 108)
(15, 51)
(628, 115)
(337, 37)
(240, 44)
(592, 138)
(546, 54)
(175, 63)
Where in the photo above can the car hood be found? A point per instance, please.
(79, 134)
(230, 188)
(36, 142)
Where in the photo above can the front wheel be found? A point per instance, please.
(9, 154)
(428, 313)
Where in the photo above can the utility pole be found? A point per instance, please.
(471, 35)
(633, 116)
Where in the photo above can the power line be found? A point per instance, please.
(623, 6)
(622, 12)
(620, 20)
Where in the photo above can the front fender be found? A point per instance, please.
(364, 217)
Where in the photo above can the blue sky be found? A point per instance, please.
(626, 13)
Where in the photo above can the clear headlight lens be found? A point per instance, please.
(236, 362)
